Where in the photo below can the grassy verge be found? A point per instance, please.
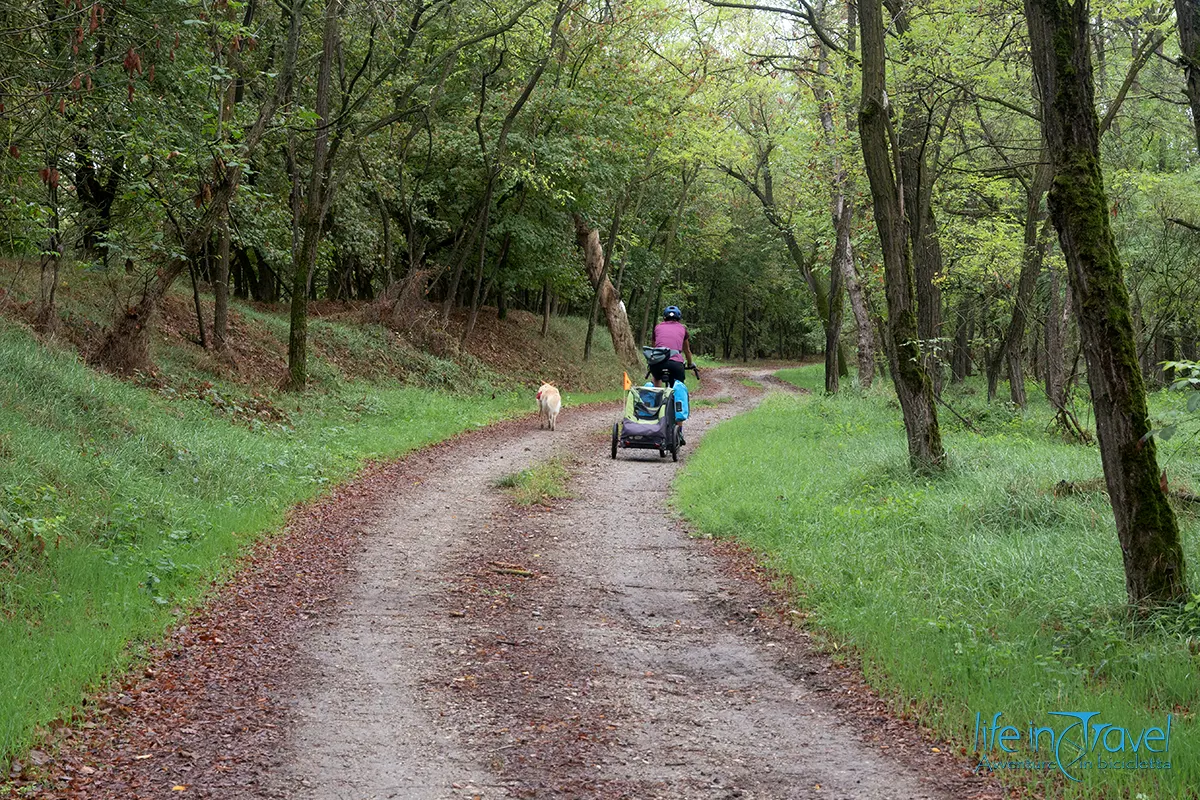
(811, 378)
(978, 591)
(539, 484)
(119, 504)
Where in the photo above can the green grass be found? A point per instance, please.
(977, 591)
(539, 484)
(119, 504)
(811, 378)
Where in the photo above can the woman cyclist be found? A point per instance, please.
(672, 333)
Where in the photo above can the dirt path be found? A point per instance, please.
(624, 668)
(416, 636)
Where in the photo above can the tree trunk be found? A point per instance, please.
(745, 331)
(1146, 525)
(1187, 17)
(476, 297)
(546, 293)
(608, 250)
(466, 243)
(618, 323)
(960, 361)
(862, 323)
(229, 98)
(1032, 257)
(843, 215)
(221, 286)
(917, 137)
(199, 310)
(315, 207)
(1016, 376)
(477, 300)
(913, 386)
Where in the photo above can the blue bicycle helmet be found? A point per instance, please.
(672, 313)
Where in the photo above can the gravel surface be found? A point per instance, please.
(416, 635)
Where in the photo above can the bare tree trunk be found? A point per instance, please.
(913, 386)
(1146, 525)
(315, 207)
(546, 293)
(618, 323)
(608, 250)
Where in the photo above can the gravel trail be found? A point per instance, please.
(415, 635)
(626, 664)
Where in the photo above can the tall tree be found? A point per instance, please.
(881, 157)
(316, 204)
(1187, 17)
(1146, 526)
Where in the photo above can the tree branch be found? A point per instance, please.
(1152, 43)
(808, 15)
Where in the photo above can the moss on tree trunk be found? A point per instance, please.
(914, 389)
(1146, 526)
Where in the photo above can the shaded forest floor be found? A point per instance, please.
(347, 341)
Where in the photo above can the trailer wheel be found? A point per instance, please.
(616, 427)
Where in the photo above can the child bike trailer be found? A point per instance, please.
(649, 422)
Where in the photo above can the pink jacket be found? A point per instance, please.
(671, 334)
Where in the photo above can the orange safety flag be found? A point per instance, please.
(628, 383)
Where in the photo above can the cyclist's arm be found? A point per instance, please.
(687, 350)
